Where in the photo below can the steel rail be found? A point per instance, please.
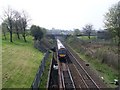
(84, 70)
(66, 79)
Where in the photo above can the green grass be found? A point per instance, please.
(104, 70)
(44, 77)
(86, 37)
(20, 62)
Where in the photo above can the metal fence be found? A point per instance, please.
(39, 73)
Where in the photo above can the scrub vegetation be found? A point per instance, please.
(99, 64)
(44, 77)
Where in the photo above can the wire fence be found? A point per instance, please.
(40, 71)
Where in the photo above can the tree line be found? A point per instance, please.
(88, 29)
(16, 22)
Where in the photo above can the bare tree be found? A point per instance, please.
(16, 22)
(17, 17)
(4, 29)
(24, 22)
(88, 28)
(8, 16)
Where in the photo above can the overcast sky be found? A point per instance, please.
(62, 14)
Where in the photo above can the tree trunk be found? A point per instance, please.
(24, 38)
(24, 35)
(18, 35)
(11, 36)
(4, 35)
(17, 32)
(10, 30)
(89, 35)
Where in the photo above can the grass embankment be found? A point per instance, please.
(102, 69)
(20, 62)
(44, 77)
(108, 73)
(86, 37)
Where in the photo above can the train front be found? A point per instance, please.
(61, 51)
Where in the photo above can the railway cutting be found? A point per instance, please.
(70, 72)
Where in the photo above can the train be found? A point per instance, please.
(61, 50)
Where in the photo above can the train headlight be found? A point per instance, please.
(62, 55)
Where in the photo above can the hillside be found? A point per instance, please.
(20, 62)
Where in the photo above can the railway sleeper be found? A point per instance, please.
(67, 80)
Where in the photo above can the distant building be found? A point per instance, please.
(59, 32)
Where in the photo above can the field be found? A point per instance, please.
(86, 37)
(20, 62)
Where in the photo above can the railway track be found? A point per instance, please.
(72, 74)
(66, 77)
(53, 76)
(86, 80)
(78, 80)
